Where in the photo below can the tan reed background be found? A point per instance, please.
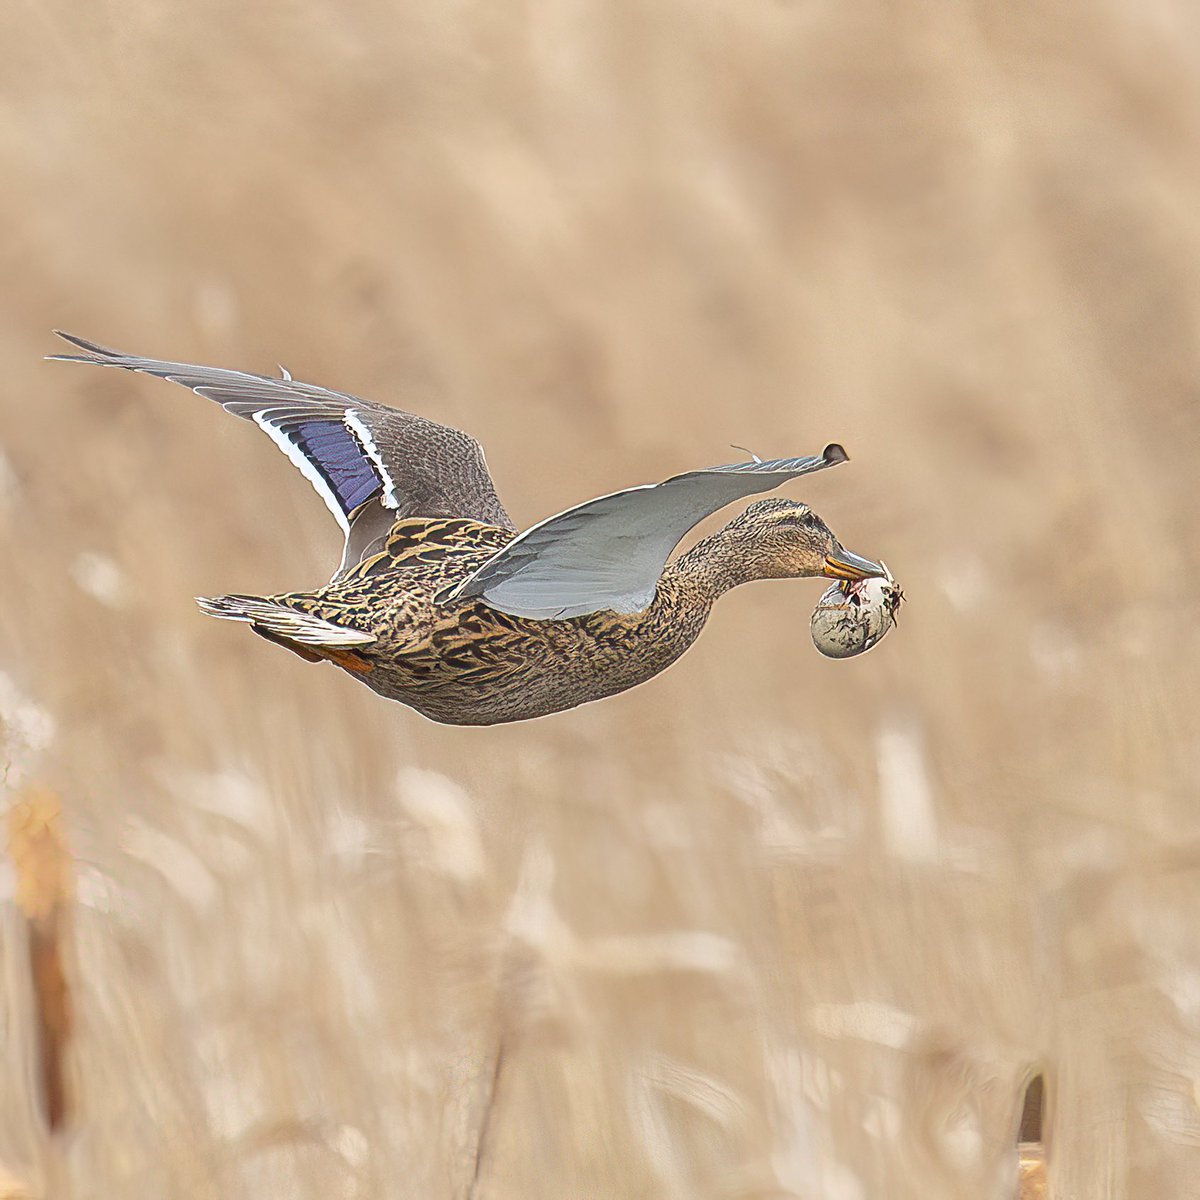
(769, 926)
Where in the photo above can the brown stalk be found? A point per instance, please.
(1031, 1152)
(43, 871)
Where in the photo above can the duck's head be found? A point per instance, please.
(784, 539)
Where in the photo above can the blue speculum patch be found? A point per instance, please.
(339, 458)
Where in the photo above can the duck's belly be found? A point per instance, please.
(552, 666)
(479, 704)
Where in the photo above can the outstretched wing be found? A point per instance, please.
(610, 552)
(370, 464)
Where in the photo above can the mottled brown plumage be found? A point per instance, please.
(439, 603)
(465, 663)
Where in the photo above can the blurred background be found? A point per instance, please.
(769, 926)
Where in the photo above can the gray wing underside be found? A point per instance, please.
(609, 553)
(371, 464)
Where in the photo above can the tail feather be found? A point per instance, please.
(292, 623)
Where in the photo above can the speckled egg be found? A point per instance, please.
(850, 618)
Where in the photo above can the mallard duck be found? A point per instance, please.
(441, 603)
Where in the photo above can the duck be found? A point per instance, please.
(441, 603)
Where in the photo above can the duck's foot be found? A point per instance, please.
(348, 660)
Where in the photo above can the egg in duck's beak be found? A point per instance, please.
(841, 563)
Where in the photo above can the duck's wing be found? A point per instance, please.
(610, 552)
(370, 464)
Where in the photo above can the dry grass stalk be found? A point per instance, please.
(43, 893)
(1031, 1152)
(1031, 1171)
(486, 1125)
(12, 1188)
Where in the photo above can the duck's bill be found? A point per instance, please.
(845, 564)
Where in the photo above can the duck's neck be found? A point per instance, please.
(713, 566)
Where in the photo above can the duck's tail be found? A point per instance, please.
(276, 618)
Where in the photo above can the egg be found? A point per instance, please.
(851, 617)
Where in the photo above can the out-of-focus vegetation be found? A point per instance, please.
(770, 925)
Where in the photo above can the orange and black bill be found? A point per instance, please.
(844, 564)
